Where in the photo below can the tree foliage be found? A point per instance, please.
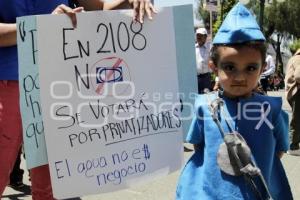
(226, 7)
(203, 13)
(279, 16)
(280, 19)
(295, 46)
(283, 18)
(293, 13)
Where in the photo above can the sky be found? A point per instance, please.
(197, 19)
(163, 3)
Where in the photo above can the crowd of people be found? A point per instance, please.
(234, 157)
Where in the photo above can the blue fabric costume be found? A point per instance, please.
(259, 119)
(202, 178)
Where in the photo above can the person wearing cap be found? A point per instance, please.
(292, 89)
(202, 49)
(239, 136)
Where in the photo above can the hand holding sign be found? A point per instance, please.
(105, 141)
(139, 7)
(63, 9)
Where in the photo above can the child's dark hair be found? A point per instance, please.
(258, 45)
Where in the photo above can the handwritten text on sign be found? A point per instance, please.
(33, 128)
(105, 127)
(119, 163)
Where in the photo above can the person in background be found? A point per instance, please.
(227, 124)
(276, 82)
(10, 119)
(268, 71)
(202, 49)
(292, 89)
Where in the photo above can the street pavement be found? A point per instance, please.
(164, 188)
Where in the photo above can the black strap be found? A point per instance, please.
(215, 107)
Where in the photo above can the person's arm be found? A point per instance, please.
(101, 5)
(63, 9)
(8, 35)
(139, 7)
(8, 31)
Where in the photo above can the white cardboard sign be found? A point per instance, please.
(108, 93)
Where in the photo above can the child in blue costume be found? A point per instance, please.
(238, 56)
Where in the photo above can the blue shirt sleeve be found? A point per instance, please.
(281, 130)
(195, 134)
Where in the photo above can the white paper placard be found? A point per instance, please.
(108, 93)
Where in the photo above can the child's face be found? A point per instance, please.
(239, 70)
